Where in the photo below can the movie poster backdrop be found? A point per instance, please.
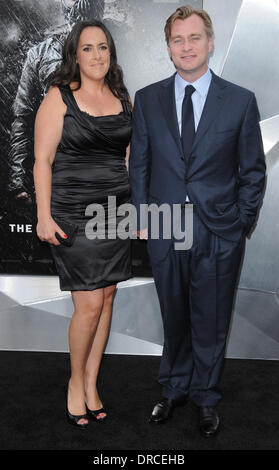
(32, 35)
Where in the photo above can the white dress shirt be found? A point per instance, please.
(198, 97)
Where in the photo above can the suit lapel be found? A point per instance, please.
(167, 100)
(212, 107)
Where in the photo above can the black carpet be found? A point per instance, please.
(33, 406)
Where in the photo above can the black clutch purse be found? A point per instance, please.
(69, 229)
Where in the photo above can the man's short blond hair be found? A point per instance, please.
(184, 12)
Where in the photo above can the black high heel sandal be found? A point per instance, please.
(74, 419)
(93, 414)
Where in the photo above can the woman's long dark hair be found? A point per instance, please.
(68, 71)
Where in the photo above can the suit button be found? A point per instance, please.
(182, 158)
(187, 181)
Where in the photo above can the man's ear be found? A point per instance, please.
(169, 52)
(211, 43)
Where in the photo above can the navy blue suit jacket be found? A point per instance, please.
(224, 176)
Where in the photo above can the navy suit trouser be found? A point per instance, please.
(196, 291)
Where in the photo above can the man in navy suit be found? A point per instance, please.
(196, 140)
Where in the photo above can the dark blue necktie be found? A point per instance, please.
(188, 123)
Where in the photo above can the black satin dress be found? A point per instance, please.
(89, 166)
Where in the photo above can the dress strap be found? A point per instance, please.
(126, 105)
(66, 95)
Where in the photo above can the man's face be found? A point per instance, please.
(82, 10)
(69, 3)
(189, 47)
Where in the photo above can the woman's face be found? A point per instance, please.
(93, 55)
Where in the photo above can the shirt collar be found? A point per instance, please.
(201, 84)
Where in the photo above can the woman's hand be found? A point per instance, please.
(143, 234)
(46, 229)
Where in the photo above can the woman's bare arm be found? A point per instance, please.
(48, 131)
(127, 157)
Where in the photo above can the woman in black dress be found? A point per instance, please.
(82, 132)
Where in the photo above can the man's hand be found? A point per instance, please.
(142, 234)
(24, 196)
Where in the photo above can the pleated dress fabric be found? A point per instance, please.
(89, 166)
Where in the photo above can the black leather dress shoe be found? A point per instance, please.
(162, 411)
(209, 421)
